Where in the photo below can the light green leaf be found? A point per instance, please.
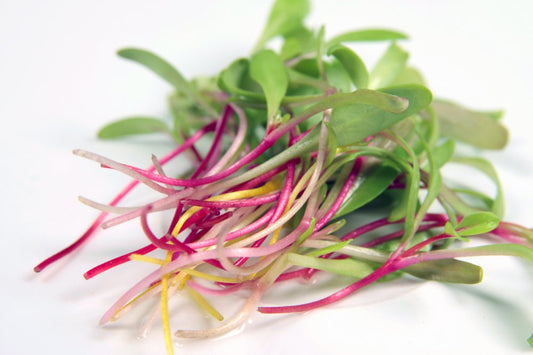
(389, 67)
(353, 65)
(299, 41)
(285, 17)
(450, 230)
(267, 69)
(517, 250)
(132, 126)
(166, 71)
(443, 153)
(369, 98)
(354, 122)
(346, 267)
(337, 76)
(409, 75)
(367, 35)
(483, 165)
(329, 249)
(477, 223)
(471, 127)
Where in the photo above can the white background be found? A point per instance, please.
(60, 81)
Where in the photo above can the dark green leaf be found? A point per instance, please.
(354, 122)
(132, 126)
(231, 78)
(369, 184)
(368, 35)
(472, 127)
(477, 223)
(388, 68)
(267, 69)
(285, 17)
(353, 65)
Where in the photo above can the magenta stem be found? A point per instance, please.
(216, 144)
(342, 194)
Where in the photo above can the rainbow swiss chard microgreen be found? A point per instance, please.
(301, 141)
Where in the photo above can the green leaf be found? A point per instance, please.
(331, 143)
(267, 69)
(369, 185)
(450, 230)
(329, 249)
(517, 250)
(132, 126)
(353, 65)
(307, 232)
(443, 153)
(364, 98)
(471, 127)
(347, 267)
(367, 35)
(389, 67)
(165, 70)
(230, 80)
(409, 75)
(487, 168)
(337, 76)
(530, 340)
(354, 122)
(447, 270)
(285, 17)
(299, 41)
(477, 223)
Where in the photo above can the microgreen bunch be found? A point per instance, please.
(301, 140)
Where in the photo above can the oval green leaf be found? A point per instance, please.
(353, 65)
(477, 223)
(366, 35)
(354, 122)
(483, 165)
(267, 69)
(475, 128)
(133, 126)
(164, 70)
(447, 270)
(389, 67)
(285, 17)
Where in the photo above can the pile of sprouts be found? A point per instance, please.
(301, 140)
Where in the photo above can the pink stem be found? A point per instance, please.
(93, 227)
(216, 144)
(342, 194)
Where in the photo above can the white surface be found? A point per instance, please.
(60, 81)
